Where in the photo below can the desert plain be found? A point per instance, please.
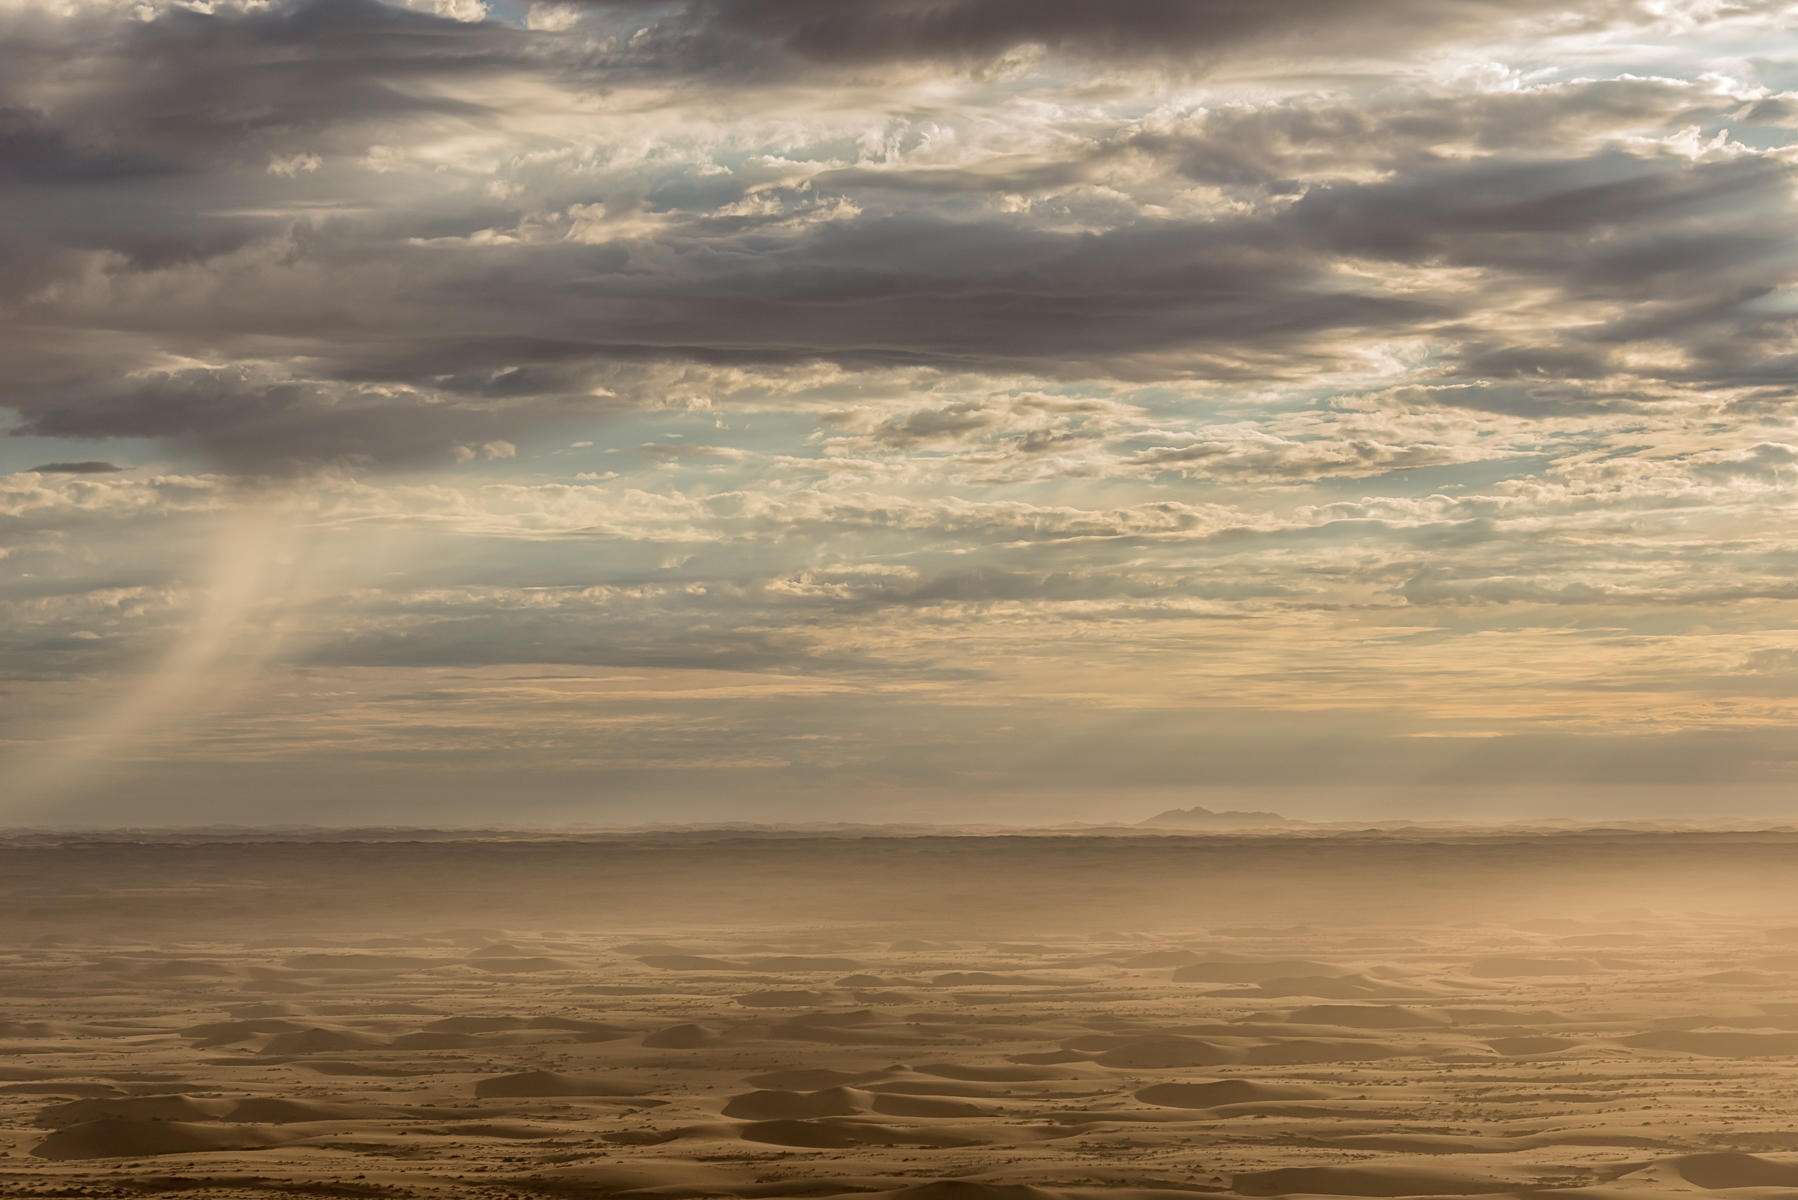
(1557, 1014)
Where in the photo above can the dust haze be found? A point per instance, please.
(940, 1015)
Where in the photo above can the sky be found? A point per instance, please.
(618, 412)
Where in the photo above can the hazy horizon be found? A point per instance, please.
(1478, 822)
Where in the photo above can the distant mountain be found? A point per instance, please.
(1203, 818)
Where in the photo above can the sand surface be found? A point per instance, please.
(1589, 1015)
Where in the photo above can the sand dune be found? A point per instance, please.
(184, 969)
(474, 1024)
(223, 1033)
(1161, 958)
(1429, 1143)
(122, 1137)
(785, 998)
(275, 1110)
(804, 963)
(1252, 971)
(1168, 1053)
(367, 1070)
(1521, 967)
(690, 962)
(1524, 1046)
(518, 966)
(1347, 1034)
(134, 1108)
(320, 1041)
(1720, 1044)
(808, 1079)
(792, 1106)
(842, 1134)
(1540, 1018)
(1226, 1091)
(904, 1085)
(74, 1089)
(551, 1083)
(987, 979)
(385, 963)
(1324, 1050)
(1369, 1016)
(1329, 987)
(437, 1041)
(897, 1104)
(996, 1073)
(1716, 1172)
(1398, 1179)
(968, 1189)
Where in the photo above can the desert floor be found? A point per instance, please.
(1599, 1014)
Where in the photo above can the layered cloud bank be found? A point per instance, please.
(776, 408)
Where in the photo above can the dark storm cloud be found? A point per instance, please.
(1256, 297)
(1629, 249)
(1636, 218)
(250, 424)
(191, 85)
(918, 291)
(867, 293)
(1227, 299)
(726, 35)
(86, 467)
(151, 138)
(34, 151)
(150, 163)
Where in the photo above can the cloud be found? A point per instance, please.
(32, 150)
(1301, 290)
(84, 467)
(187, 87)
(732, 34)
(858, 391)
(211, 259)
